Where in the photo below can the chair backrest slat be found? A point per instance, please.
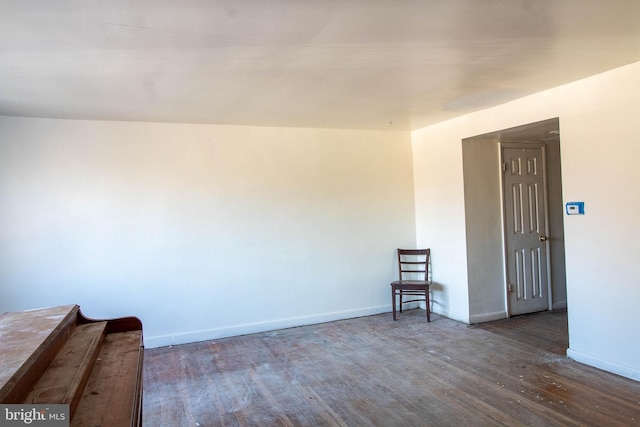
(415, 262)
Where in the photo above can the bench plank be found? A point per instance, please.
(65, 378)
(115, 380)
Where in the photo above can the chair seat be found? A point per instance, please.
(413, 288)
(410, 284)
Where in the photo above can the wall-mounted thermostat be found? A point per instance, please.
(575, 208)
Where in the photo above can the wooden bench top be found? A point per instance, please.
(24, 335)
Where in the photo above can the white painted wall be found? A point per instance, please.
(599, 145)
(440, 224)
(483, 223)
(202, 231)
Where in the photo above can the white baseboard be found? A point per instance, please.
(463, 318)
(252, 328)
(606, 365)
(487, 317)
(559, 305)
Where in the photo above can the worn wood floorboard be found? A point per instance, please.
(374, 371)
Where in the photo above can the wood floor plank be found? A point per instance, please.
(374, 371)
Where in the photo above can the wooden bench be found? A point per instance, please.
(59, 356)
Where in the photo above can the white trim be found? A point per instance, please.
(252, 328)
(487, 317)
(459, 317)
(607, 365)
(503, 221)
(410, 306)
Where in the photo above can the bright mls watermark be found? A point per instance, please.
(34, 415)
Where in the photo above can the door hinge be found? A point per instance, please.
(504, 166)
(509, 287)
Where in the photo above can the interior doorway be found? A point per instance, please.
(485, 219)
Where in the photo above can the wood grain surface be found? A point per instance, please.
(374, 371)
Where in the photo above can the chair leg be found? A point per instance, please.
(393, 301)
(426, 297)
(400, 300)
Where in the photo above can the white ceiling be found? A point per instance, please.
(363, 64)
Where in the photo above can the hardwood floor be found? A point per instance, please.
(374, 371)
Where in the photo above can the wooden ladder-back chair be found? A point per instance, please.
(413, 270)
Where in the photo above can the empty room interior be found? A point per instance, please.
(239, 175)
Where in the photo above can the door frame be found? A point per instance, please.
(542, 147)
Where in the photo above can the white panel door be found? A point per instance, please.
(525, 228)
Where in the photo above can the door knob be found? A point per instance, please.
(543, 238)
